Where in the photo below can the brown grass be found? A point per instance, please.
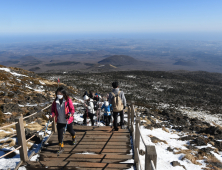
(29, 144)
(148, 122)
(166, 130)
(34, 126)
(8, 129)
(12, 143)
(4, 135)
(187, 151)
(156, 140)
(192, 158)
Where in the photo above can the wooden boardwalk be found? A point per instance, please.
(97, 148)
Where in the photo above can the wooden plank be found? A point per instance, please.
(87, 160)
(66, 168)
(96, 133)
(69, 147)
(87, 156)
(21, 138)
(61, 164)
(81, 150)
(93, 136)
(94, 142)
(104, 140)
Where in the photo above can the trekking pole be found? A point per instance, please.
(46, 127)
(99, 115)
(44, 135)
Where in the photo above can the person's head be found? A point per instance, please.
(86, 98)
(115, 84)
(61, 93)
(106, 103)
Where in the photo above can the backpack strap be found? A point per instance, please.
(119, 93)
(113, 94)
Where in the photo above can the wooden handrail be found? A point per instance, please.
(10, 152)
(26, 117)
(150, 155)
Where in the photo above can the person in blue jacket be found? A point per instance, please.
(107, 112)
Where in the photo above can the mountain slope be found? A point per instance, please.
(119, 60)
(22, 92)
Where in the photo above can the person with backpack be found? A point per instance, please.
(118, 101)
(63, 111)
(107, 112)
(89, 109)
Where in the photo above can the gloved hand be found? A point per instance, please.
(68, 115)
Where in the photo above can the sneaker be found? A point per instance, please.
(61, 149)
(74, 140)
(116, 129)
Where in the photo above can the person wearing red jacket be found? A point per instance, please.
(63, 111)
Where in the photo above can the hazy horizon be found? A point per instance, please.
(29, 38)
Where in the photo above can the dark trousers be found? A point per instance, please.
(107, 119)
(60, 129)
(90, 116)
(115, 114)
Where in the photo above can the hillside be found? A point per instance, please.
(119, 60)
(24, 92)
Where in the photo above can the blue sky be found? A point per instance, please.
(109, 16)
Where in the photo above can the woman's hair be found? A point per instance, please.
(62, 90)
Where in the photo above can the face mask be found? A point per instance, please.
(59, 96)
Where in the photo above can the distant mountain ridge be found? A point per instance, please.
(119, 60)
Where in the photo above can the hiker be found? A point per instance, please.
(107, 112)
(86, 93)
(63, 111)
(91, 94)
(89, 109)
(117, 105)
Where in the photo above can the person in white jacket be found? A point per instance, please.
(89, 109)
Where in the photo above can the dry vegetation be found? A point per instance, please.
(156, 140)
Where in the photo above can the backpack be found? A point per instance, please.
(96, 105)
(117, 103)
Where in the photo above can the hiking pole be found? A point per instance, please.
(99, 115)
(44, 135)
(46, 127)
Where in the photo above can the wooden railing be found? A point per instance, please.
(150, 151)
(22, 142)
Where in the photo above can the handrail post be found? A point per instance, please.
(137, 140)
(132, 116)
(21, 139)
(54, 129)
(150, 155)
(129, 116)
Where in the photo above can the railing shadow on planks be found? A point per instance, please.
(150, 153)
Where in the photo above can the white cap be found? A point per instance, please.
(85, 97)
(106, 103)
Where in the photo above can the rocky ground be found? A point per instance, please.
(167, 100)
(176, 102)
(24, 92)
